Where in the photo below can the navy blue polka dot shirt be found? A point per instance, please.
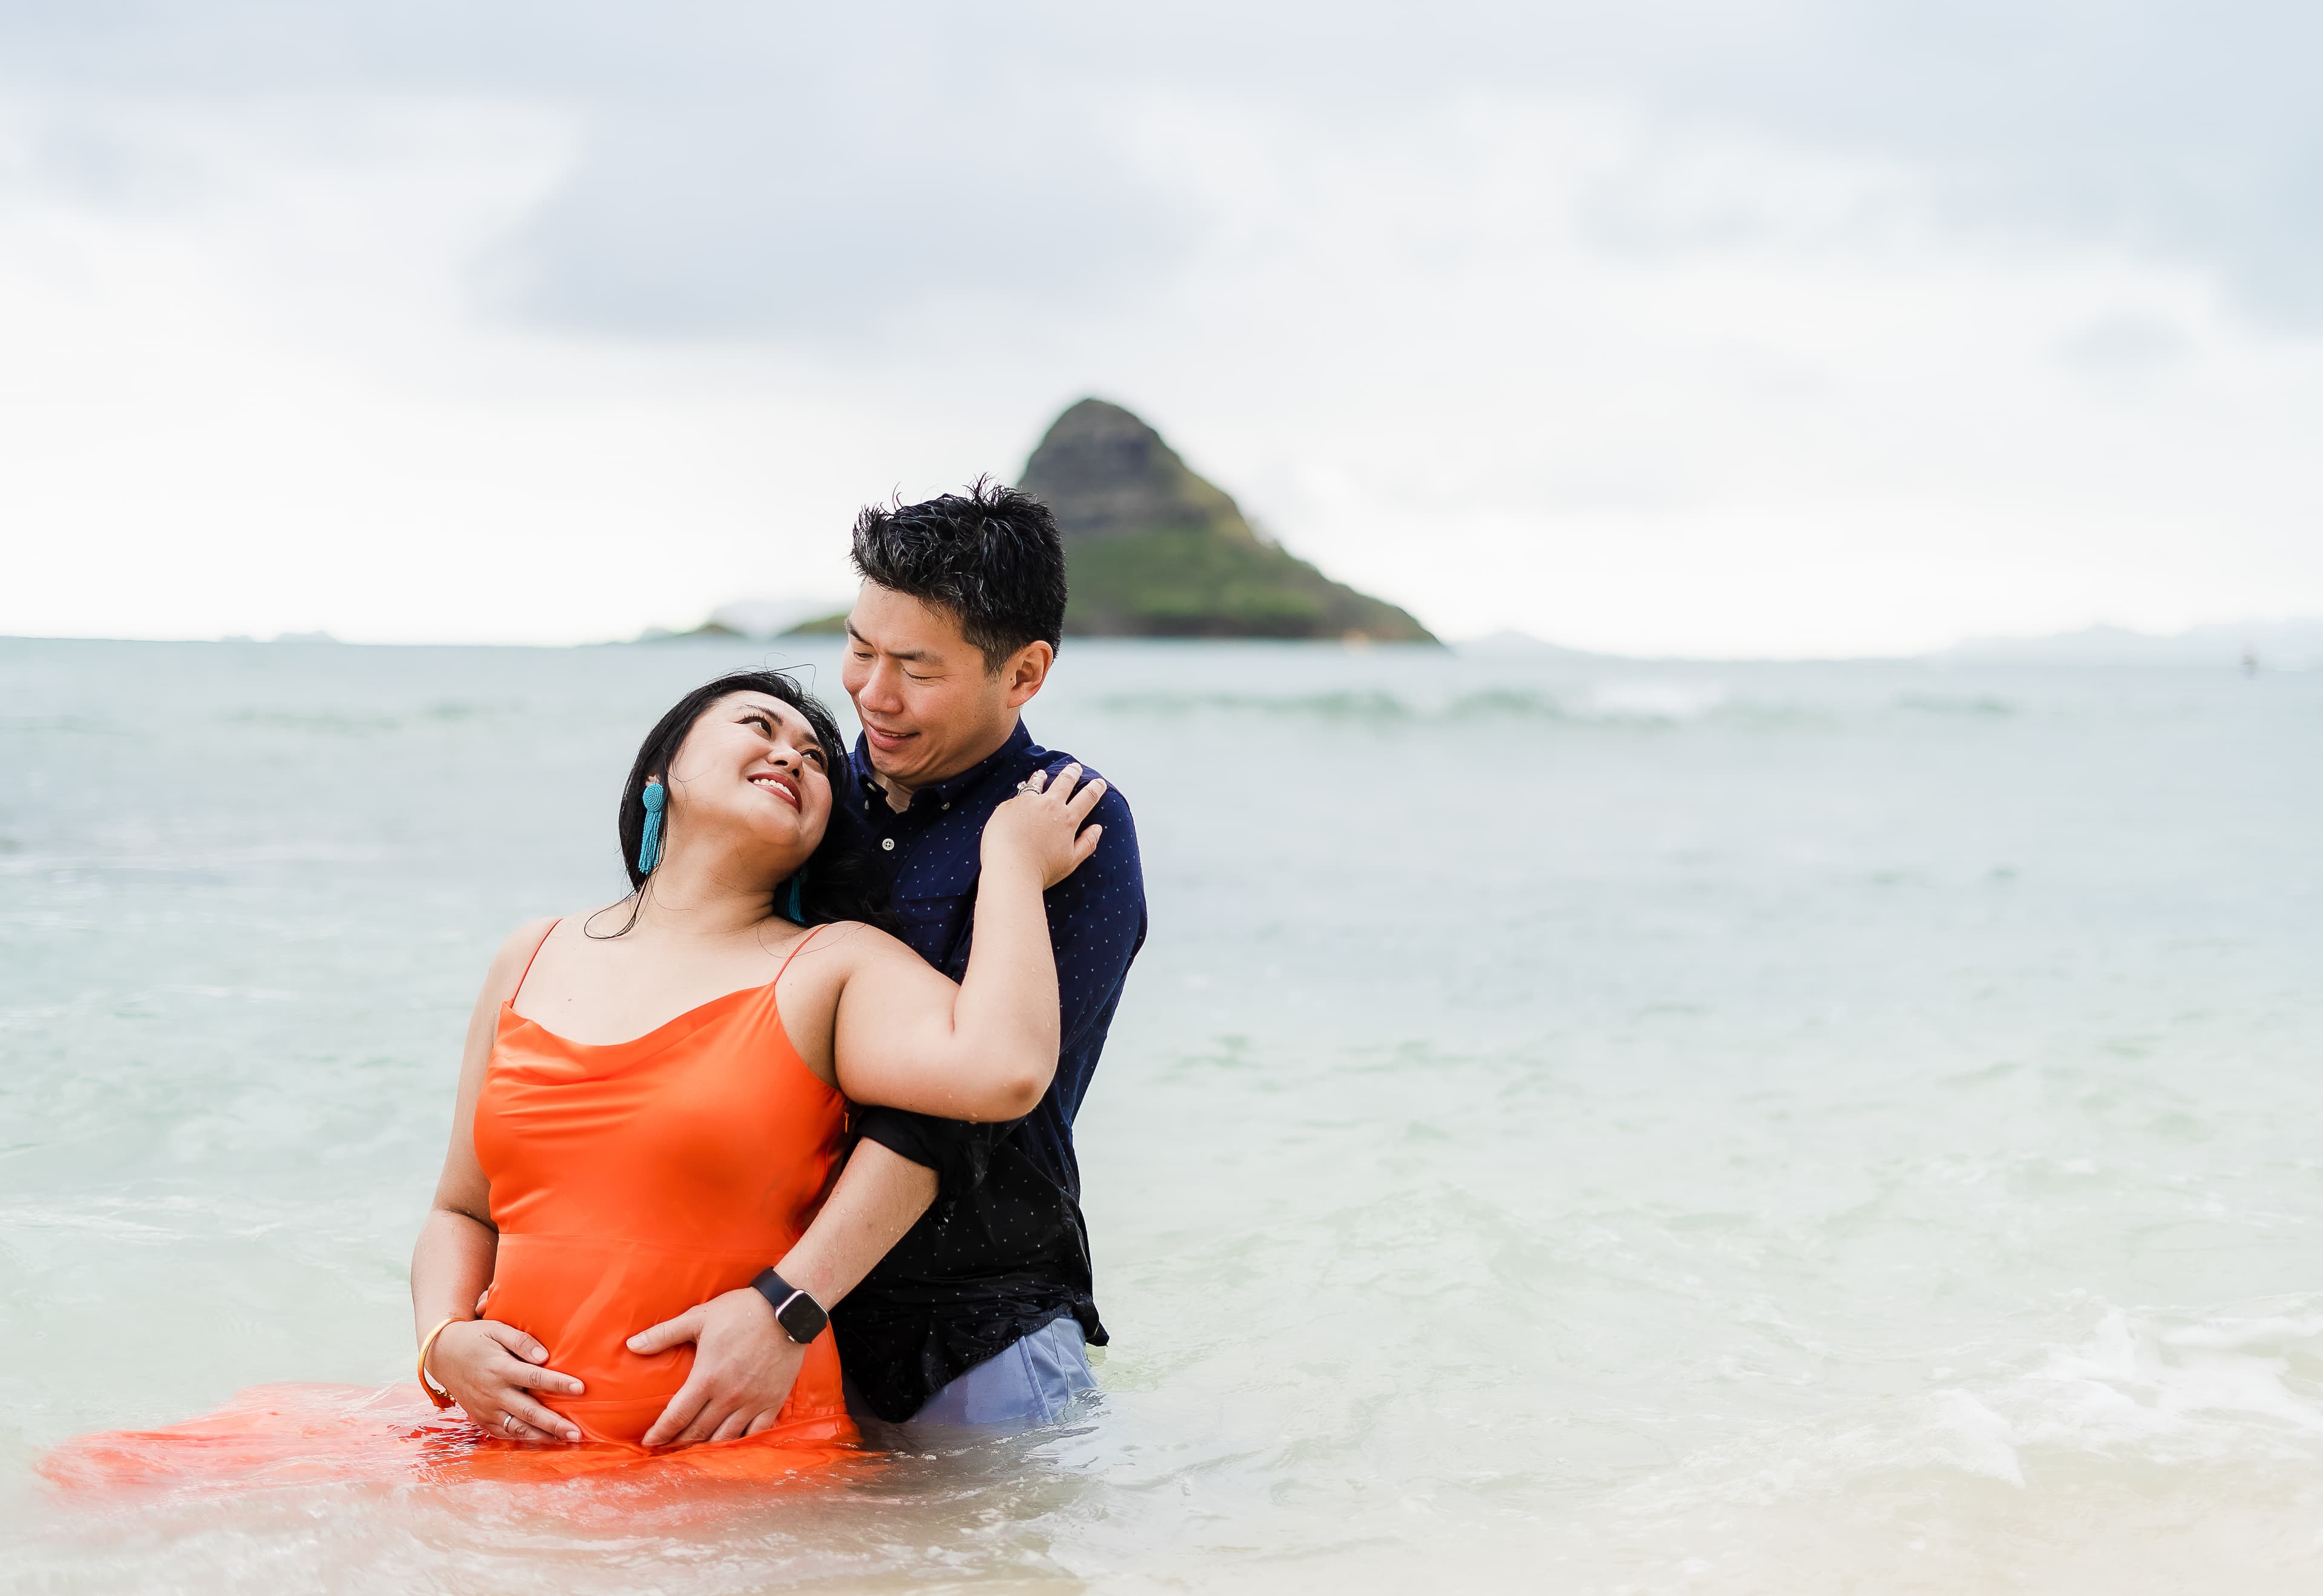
(1004, 1249)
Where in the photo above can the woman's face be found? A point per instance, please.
(752, 772)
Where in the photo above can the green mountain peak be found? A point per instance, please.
(1154, 550)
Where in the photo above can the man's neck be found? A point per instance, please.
(899, 796)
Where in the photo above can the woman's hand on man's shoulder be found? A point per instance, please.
(1046, 824)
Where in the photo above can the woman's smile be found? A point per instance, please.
(781, 783)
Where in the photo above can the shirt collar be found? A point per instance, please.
(951, 787)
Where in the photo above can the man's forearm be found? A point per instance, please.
(880, 1194)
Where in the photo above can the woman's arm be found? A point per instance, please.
(490, 1369)
(905, 1037)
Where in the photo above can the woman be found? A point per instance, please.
(652, 1102)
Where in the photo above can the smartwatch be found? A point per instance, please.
(800, 1315)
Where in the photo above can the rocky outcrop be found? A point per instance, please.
(1152, 550)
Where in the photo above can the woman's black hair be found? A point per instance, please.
(841, 882)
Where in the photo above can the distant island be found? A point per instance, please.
(2274, 644)
(1154, 550)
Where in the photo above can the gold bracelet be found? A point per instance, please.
(437, 1394)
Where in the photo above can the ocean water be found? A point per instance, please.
(1577, 1126)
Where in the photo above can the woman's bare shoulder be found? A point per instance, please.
(515, 952)
(521, 942)
(853, 942)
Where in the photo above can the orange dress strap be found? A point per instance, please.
(537, 947)
(797, 947)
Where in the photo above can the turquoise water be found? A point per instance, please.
(1578, 1124)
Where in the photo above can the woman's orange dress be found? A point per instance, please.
(630, 1181)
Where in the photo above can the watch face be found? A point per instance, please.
(801, 1319)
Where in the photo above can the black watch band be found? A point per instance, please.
(801, 1316)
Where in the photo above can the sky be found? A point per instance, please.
(1745, 327)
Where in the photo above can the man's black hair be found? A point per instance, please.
(991, 556)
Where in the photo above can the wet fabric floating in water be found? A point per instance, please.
(301, 1434)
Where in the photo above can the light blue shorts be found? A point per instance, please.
(1029, 1383)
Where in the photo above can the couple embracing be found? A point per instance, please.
(779, 1146)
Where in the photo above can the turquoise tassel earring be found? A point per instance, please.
(794, 911)
(649, 845)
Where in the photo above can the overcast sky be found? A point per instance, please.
(1750, 327)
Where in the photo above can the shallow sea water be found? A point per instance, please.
(1578, 1124)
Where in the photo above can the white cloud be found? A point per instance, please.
(1775, 403)
(1549, 357)
(270, 403)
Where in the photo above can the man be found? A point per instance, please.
(959, 1251)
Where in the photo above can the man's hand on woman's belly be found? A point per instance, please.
(744, 1367)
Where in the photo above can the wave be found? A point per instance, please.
(2151, 1389)
(1620, 703)
(1935, 705)
(341, 724)
(1617, 702)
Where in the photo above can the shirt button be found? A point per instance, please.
(887, 844)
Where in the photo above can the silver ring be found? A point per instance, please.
(1023, 786)
(507, 1423)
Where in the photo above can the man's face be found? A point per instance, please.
(928, 706)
